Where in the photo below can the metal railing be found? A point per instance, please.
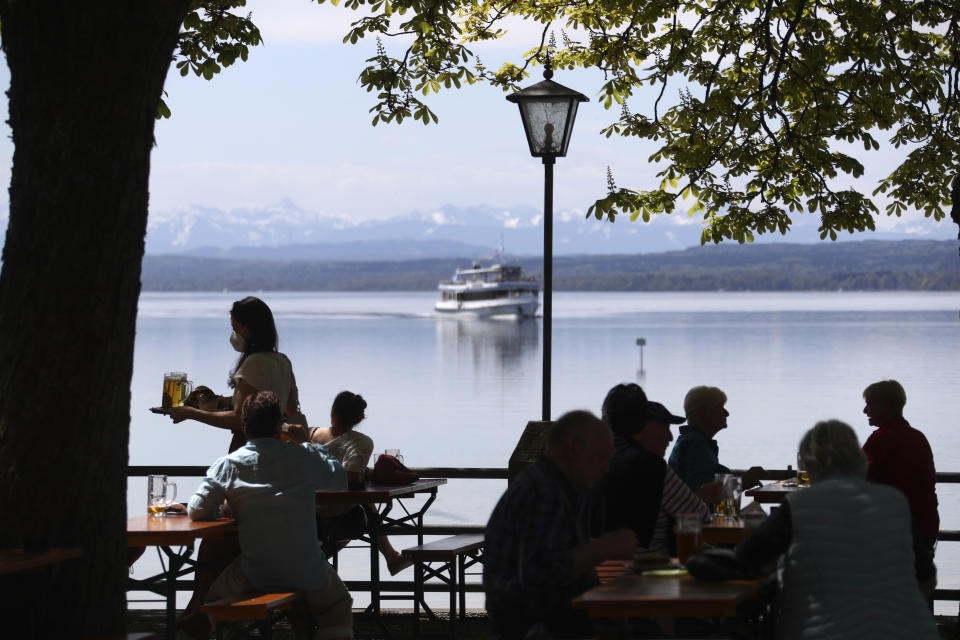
(497, 473)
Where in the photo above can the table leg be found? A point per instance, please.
(176, 562)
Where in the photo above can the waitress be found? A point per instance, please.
(260, 368)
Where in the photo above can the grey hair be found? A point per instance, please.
(699, 399)
(831, 449)
(888, 393)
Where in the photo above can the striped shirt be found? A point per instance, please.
(677, 499)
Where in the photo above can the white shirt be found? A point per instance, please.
(271, 488)
(268, 371)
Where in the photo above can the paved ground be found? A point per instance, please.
(399, 626)
(398, 623)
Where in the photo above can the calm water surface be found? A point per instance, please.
(458, 392)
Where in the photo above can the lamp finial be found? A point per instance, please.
(547, 68)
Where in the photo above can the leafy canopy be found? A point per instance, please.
(757, 103)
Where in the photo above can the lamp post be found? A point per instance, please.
(548, 110)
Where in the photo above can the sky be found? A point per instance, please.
(292, 123)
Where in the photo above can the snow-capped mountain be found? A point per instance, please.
(285, 231)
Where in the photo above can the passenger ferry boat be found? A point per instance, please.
(496, 290)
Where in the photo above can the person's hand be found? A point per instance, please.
(751, 477)
(711, 492)
(225, 510)
(297, 432)
(177, 508)
(617, 545)
(178, 414)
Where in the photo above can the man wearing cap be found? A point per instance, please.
(641, 491)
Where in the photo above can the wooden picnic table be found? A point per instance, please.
(409, 521)
(20, 561)
(775, 492)
(638, 596)
(175, 535)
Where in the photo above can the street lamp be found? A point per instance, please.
(548, 110)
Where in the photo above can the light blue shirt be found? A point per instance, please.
(271, 488)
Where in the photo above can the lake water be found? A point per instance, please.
(458, 392)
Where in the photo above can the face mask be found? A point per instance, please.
(238, 342)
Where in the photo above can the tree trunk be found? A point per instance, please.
(86, 78)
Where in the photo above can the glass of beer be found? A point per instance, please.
(720, 509)
(689, 527)
(803, 478)
(157, 495)
(176, 388)
(732, 490)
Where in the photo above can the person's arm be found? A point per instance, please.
(206, 502)
(880, 463)
(923, 565)
(769, 541)
(328, 473)
(615, 545)
(678, 498)
(751, 477)
(220, 419)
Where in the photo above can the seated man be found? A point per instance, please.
(538, 553)
(641, 492)
(695, 456)
(270, 488)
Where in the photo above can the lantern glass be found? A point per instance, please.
(548, 123)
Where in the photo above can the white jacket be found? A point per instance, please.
(849, 572)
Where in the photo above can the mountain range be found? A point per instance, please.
(287, 232)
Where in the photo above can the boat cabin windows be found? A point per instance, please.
(494, 294)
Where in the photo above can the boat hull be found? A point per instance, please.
(517, 307)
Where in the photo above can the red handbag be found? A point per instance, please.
(390, 472)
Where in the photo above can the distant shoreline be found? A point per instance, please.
(914, 265)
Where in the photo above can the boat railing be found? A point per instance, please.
(500, 473)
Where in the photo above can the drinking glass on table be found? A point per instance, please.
(732, 490)
(720, 509)
(395, 453)
(689, 527)
(157, 495)
(803, 478)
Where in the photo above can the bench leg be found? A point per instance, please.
(417, 596)
(462, 578)
(453, 598)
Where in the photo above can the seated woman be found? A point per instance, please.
(695, 453)
(353, 449)
(850, 567)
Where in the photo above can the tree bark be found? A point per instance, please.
(86, 78)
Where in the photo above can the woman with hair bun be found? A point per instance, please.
(353, 449)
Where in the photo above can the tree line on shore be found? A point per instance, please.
(865, 265)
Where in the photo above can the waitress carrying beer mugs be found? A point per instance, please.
(260, 368)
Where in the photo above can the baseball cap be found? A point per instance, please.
(656, 411)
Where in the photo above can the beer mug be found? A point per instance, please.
(689, 528)
(720, 509)
(157, 498)
(176, 388)
(803, 478)
(732, 491)
(395, 453)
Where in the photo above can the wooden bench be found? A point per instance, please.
(259, 611)
(455, 554)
